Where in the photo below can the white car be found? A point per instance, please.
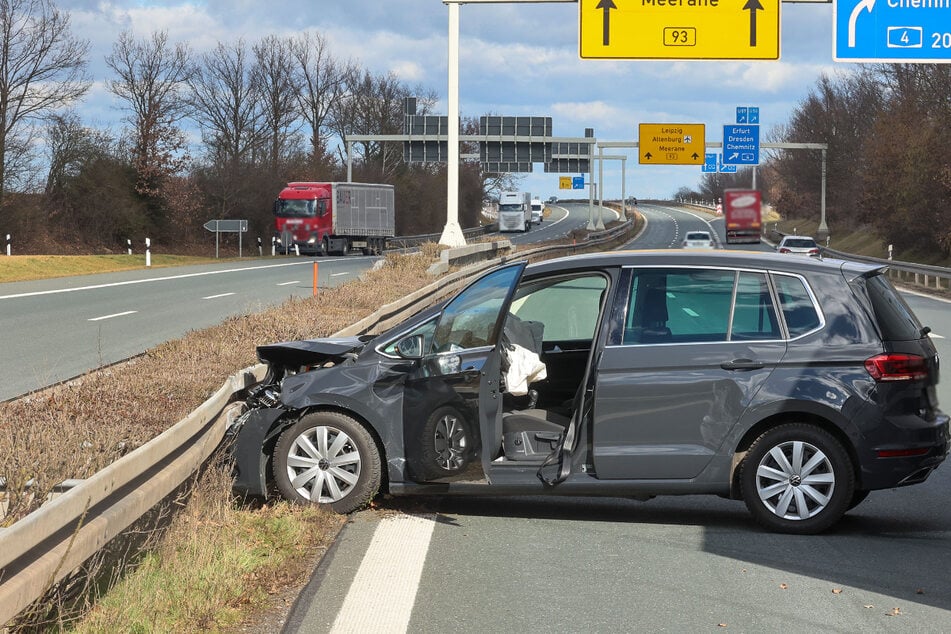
(698, 240)
(798, 245)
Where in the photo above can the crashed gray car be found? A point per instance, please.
(797, 387)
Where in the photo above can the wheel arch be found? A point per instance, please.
(775, 420)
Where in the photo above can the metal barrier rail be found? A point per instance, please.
(53, 541)
(923, 273)
(412, 241)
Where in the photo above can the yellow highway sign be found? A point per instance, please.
(564, 182)
(679, 29)
(671, 143)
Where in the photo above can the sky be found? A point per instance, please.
(516, 59)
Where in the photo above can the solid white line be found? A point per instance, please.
(383, 591)
(156, 279)
(339, 274)
(289, 283)
(219, 295)
(128, 312)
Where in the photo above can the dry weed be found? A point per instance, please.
(72, 431)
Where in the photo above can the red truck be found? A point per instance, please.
(333, 218)
(742, 210)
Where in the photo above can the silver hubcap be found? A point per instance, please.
(449, 440)
(795, 480)
(323, 464)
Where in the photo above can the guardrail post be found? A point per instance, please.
(148, 252)
(273, 246)
(8, 244)
(260, 247)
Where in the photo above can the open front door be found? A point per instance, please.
(452, 404)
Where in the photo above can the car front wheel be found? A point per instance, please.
(797, 478)
(445, 446)
(327, 458)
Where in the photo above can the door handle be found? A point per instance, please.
(742, 364)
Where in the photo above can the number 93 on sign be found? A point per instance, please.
(680, 36)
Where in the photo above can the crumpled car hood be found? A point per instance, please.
(311, 351)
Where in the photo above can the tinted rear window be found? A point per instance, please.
(895, 319)
(698, 236)
(800, 243)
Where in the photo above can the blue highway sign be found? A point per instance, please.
(725, 169)
(891, 30)
(741, 144)
(709, 163)
(577, 182)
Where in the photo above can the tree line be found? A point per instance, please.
(209, 135)
(888, 166)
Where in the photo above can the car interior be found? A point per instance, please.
(563, 313)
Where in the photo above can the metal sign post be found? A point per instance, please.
(227, 226)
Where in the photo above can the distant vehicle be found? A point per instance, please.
(332, 218)
(552, 200)
(538, 210)
(515, 211)
(742, 211)
(798, 245)
(698, 240)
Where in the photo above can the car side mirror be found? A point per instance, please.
(410, 347)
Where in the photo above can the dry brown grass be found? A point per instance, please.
(74, 430)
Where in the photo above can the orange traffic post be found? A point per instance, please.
(315, 279)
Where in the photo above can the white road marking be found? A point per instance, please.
(289, 283)
(156, 279)
(128, 312)
(219, 295)
(339, 274)
(935, 336)
(383, 591)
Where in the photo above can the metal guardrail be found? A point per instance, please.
(922, 274)
(55, 540)
(919, 274)
(413, 241)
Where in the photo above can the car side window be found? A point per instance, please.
(695, 306)
(798, 310)
(568, 308)
(471, 319)
(754, 317)
(679, 306)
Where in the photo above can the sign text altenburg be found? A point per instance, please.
(671, 143)
(679, 29)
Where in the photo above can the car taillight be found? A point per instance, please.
(783, 250)
(813, 251)
(897, 367)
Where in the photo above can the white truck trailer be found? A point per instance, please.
(515, 211)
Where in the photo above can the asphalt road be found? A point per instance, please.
(57, 329)
(677, 564)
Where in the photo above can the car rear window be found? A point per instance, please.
(800, 243)
(698, 236)
(895, 319)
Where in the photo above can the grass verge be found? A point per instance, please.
(24, 268)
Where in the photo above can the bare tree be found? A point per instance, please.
(42, 69)
(321, 82)
(274, 76)
(70, 145)
(227, 105)
(151, 79)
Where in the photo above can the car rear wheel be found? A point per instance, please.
(327, 458)
(797, 478)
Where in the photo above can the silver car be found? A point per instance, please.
(798, 245)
